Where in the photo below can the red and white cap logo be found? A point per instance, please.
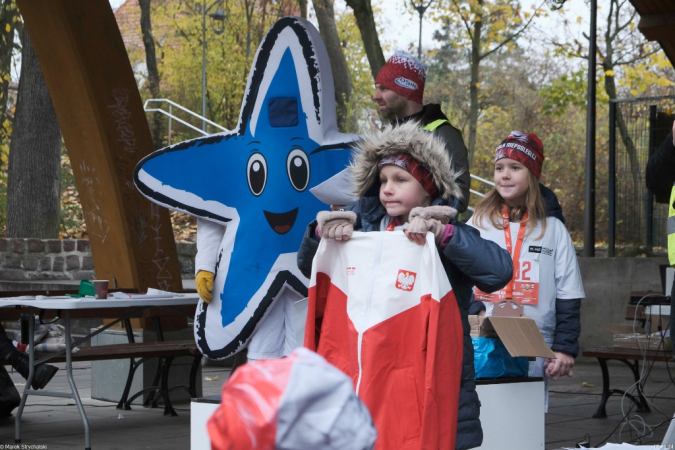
(405, 280)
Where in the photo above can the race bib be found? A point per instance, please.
(525, 287)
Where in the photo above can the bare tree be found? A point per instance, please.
(620, 51)
(325, 15)
(488, 27)
(153, 74)
(303, 8)
(363, 11)
(34, 175)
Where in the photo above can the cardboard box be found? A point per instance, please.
(520, 335)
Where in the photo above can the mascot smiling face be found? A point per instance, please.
(255, 180)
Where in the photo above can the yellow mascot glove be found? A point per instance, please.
(204, 283)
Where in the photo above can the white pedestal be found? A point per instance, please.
(512, 415)
(201, 410)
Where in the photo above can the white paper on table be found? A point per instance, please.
(337, 190)
(153, 291)
(625, 446)
(125, 296)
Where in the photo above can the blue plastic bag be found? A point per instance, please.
(492, 360)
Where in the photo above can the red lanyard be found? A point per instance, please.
(515, 255)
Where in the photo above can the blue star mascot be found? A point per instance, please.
(249, 189)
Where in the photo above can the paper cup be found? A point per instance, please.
(100, 289)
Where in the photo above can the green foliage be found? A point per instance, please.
(540, 88)
(564, 92)
(499, 20)
(71, 220)
(360, 108)
(5, 132)
(177, 30)
(512, 99)
(9, 21)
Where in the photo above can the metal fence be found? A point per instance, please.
(637, 222)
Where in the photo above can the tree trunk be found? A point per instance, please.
(366, 23)
(157, 123)
(608, 64)
(325, 15)
(34, 174)
(303, 8)
(635, 167)
(473, 89)
(248, 6)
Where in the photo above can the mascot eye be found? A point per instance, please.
(256, 172)
(297, 165)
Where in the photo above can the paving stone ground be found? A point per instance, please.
(54, 423)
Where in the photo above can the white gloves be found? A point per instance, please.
(430, 218)
(338, 225)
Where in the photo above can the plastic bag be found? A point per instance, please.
(492, 360)
(48, 338)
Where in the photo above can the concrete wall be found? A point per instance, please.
(608, 283)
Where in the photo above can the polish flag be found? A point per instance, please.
(382, 310)
(292, 403)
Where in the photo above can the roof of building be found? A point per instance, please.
(657, 22)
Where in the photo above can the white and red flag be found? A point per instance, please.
(382, 310)
(293, 403)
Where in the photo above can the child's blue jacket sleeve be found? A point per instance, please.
(568, 326)
(486, 264)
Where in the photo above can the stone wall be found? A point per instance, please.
(63, 259)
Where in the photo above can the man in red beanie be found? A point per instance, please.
(399, 94)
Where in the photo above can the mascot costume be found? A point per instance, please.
(249, 189)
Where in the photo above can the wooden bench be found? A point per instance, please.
(630, 357)
(137, 352)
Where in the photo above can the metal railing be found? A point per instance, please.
(170, 114)
(636, 222)
(489, 184)
(484, 181)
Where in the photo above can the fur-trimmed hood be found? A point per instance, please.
(407, 138)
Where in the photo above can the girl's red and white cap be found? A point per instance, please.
(414, 168)
(526, 148)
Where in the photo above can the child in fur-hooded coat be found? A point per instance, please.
(468, 259)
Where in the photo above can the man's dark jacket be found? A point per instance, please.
(660, 177)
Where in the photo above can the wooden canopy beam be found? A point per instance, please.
(97, 103)
(657, 27)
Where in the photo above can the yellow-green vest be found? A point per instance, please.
(671, 228)
(433, 125)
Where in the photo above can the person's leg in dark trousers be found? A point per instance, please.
(20, 362)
